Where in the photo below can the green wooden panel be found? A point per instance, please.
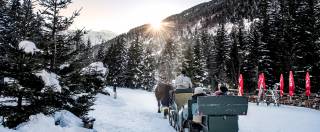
(223, 105)
(223, 124)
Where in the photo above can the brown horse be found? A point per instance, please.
(162, 93)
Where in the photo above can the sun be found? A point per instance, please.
(156, 25)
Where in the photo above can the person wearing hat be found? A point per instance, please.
(198, 92)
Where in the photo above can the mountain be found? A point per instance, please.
(183, 27)
(217, 40)
(204, 16)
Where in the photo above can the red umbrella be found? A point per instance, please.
(308, 87)
(240, 93)
(261, 82)
(281, 85)
(291, 84)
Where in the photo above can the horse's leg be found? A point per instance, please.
(158, 106)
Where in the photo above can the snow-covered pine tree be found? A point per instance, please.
(168, 61)
(83, 84)
(250, 61)
(207, 43)
(234, 63)
(148, 70)
(59, 46)
(134, 66)
(62, 50)
(317, 45)
(200, 70)
(211, 63)
(222, 55)
(306, 46)
(3, 12)
(188, 63)
(20, 62)
(265, 45)
(116, 59)
(101, 54)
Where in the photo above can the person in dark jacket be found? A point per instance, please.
(223, 90)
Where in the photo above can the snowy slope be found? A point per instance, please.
(135, 111)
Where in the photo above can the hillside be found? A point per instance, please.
(217, 40)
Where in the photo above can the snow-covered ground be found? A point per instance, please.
(265, 118)
(136, 111)
(42, 123)
(132, 111)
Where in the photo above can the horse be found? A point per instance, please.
(162, 93)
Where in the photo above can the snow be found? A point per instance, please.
(96, 67)
(9, 80)
(11, 101)
(50, 80)
(64, 66)
(135, 108)
(28, 47)
(42, 123)
(132, 111)
(264, 118)
(136, 111)
(67, 119)
(247, 23)
(228, 27)
(8, 101)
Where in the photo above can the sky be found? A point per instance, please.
(120, 16)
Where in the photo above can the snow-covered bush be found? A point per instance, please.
(65, 118)
(82, 84)
(42, 123)
(96, 68)
(95, 75)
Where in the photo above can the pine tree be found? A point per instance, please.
(20, 66)
(3, 12)
(134, 66)
(234, 63)
(250, 62)
(306, 47)
(100, 55)
(207, 43)
(188, 63)
(168, 61)
(116, 59)
(148, 70)
(222, 55)
(265, 45)
(58, 46)
(199, 64)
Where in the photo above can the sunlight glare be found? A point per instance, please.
(156, 25)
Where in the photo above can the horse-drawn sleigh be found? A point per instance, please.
(205, 113)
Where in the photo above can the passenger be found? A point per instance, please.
(198, 92)
(183, 81)
(197, 117)
(223, 90)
